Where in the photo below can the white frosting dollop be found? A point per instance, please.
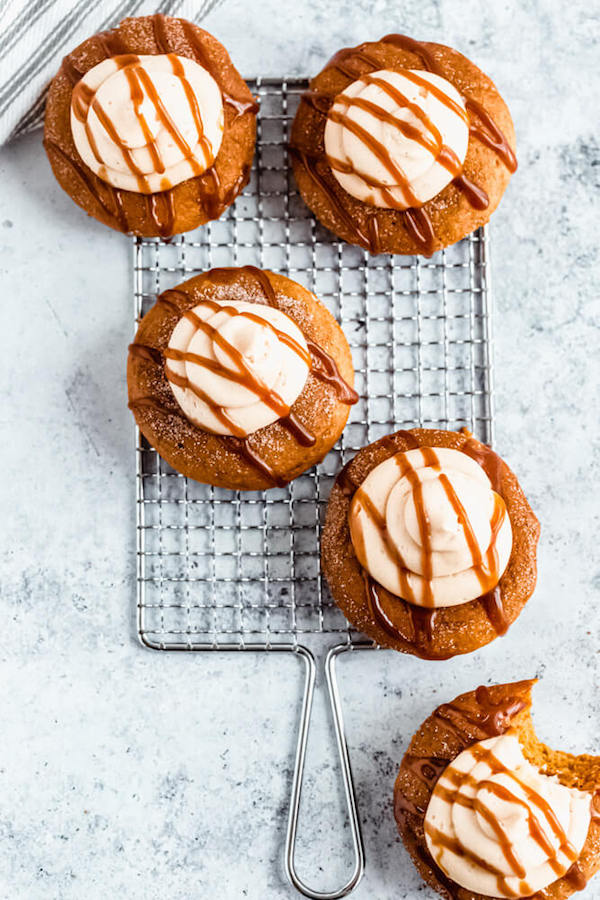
(498, 826)
(388, 133)
(147, 123)
(240, 366)
(427, 525)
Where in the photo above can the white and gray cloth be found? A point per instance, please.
(36, 34)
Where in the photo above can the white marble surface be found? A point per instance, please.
(126, 773)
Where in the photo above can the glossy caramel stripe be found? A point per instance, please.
(364, 502)
(241, 106)
(310, 164)
(536, 830)
(218, 411)
(137, 97)
(378, 150)
(408, 471)
(489, 133)
(248, 379)
(383, 115)
(487, 572)
(329, 372)
(445, 842)
(576, 877)
(435, 143)
(167, 121)
(437, 93)
(193, 104)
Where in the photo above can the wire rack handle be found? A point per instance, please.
(349, 791)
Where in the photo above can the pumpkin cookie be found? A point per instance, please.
(150, 128)
(401, 146)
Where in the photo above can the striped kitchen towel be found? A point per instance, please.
(36, 34)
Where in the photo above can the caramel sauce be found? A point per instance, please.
(112, 43)
(240, 106)
(416, 219)
(536, 806)
(489, 134)
(576, 877)
(168, 123)
(476, 195)
(492, 720)
(434, 143)
(493, 606)
(346, 484)
(160, 33)
(419, 225)
(321, 364)
(325, 368)
(311, 163)
(352, 54)
(423, 618)
(377, 149)
(69, 68)
(162, 212)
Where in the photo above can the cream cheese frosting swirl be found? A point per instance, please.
(235, 367)
(427, 525)
(498, 826)
(396, 139)
(147, 123)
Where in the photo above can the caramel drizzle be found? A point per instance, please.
(537, 830)
(415, 219)
(141, 84)
(423, 618)
(494, 720)
(485, 568)
(576, 877)
(317, 360)
(241, 106)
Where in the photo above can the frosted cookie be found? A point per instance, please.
(429, 544)
(150, 128)
(486, 810)
(401, 146)
(240, 378)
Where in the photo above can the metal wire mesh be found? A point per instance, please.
(223, 569)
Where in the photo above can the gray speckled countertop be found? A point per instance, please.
(126, 773)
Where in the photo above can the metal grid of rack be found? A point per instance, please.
(226, 570)
(219, 568)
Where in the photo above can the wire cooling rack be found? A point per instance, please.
(224, 570)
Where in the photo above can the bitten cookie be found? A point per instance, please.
(150, 128)
(240, 378)
(486, 810)
(401, 146)
(429, 544)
